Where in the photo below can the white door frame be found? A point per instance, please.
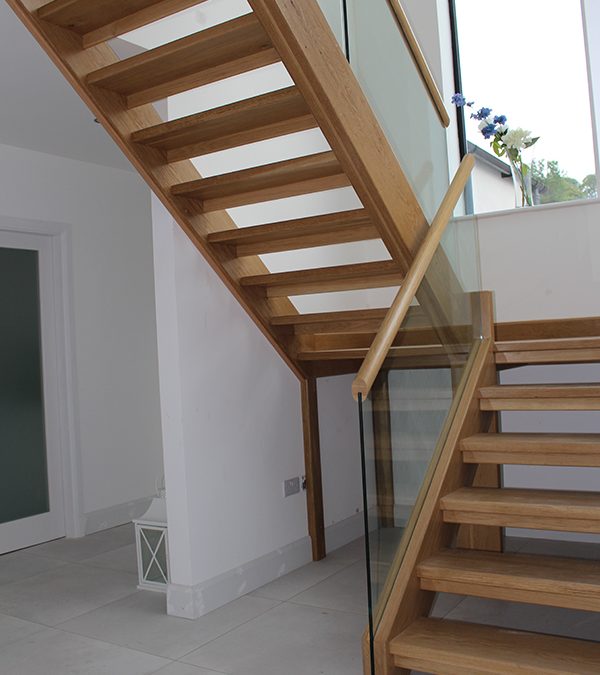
(58, 355)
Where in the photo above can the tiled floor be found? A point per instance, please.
(72, 608)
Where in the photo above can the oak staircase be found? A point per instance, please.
(444, 557)
(456, 544)
(325, 96)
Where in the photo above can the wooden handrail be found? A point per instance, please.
(420, 62)
(393, 321)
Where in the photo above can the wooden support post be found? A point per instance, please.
(312, 461)
(382, 437)
(483, 537)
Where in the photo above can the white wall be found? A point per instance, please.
(107, 211)
(340, 460)
(233, 435)
(544, 263)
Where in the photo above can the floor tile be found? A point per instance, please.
(12, 629)
(348, 554)
(75, 550)
(178, 668)
(123, 559)
(345, 591)
(52, 652)
(21, 564)
(61, 594)
(140, 622)
(300, 580)
(288, 640)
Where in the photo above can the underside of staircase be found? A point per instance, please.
(325, 95)
(456, 546)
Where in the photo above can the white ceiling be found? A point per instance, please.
(38, 108)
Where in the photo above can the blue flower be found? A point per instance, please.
(500, 119)
(482, 113)
(489, 130)
(459, 100)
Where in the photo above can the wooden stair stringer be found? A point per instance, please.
(64, 48)
(407, 601)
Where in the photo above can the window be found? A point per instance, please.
(526, 59)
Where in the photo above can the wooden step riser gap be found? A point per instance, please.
(530, 522)
(534, 597)
(531, 459)
(540, 404)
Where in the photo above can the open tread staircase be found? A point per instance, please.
(327, 96)
(444, 557)
(120, 93)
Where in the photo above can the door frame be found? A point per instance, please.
(59, 359)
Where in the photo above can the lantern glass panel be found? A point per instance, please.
(154, 555)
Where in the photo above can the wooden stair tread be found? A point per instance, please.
(558, 510)
(328, 279)
(333, 228)
(330, 317)
(255, 119)
(545, 580)
(398, 357)
(541, 391)
(561, 503)
(213, 54)
(454, 648)
(102, 20)
(541, 397)
(558, 350)
(543, 345)
(542, 449)
(303, 175)
(347, 321)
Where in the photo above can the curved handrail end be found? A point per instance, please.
(359, 386)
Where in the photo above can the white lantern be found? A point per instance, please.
(153, 547)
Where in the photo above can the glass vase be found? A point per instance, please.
(521, 175)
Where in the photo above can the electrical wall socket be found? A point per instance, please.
(291, 487)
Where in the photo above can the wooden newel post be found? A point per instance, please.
(312, 462)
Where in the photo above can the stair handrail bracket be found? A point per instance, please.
(363, 382)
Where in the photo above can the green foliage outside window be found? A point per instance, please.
(551, 184)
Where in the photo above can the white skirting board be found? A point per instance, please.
(192, 602)
(115, 515)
